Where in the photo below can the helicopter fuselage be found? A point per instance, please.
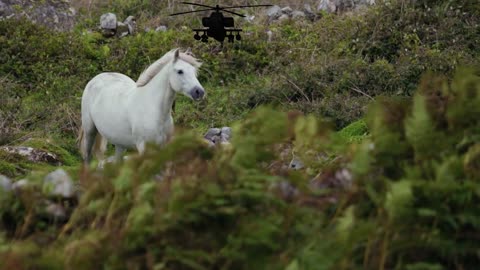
(216, 25)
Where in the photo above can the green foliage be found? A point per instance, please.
(187, 206)
(432, 188)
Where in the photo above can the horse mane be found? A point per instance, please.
(154, 68)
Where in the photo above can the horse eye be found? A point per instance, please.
(180, 72)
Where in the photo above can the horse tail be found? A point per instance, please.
(81, 142)
(100, 146)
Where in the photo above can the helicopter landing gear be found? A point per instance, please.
(197, 36)
(231, 37)
(204, 37)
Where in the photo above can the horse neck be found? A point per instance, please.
(158, 95)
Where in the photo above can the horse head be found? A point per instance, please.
(183, 76)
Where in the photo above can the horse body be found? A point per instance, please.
(130, 114)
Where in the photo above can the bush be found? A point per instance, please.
(412, 201)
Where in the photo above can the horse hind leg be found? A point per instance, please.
(89, 135)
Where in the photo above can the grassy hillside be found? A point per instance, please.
(388, 134)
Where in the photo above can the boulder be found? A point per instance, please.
(122, 29)
(55, 210)
(108, 21)
(297, 14)
(57, 15)
(307, 9)
(161, 28)
(59, 184)
(131, 23)
(287, 10)
(32, 154)
(216, 136)
(108, 24)
(274, 12)
(19, 185)
(283, 17)
(327, 5)
(226, 133)
(5, 183)
(343, 5)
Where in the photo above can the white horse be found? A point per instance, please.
(129, 114)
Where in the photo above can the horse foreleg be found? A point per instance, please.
(141, 147)
(119, 153)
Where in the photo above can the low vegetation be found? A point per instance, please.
(381, 106)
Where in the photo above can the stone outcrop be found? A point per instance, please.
(5, 183)
(342, 5)
(32, 154)
(58, 15)
(59, 184)
(277, 13)
(215, 136)
(110, 26)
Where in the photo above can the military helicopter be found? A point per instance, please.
(217, 26)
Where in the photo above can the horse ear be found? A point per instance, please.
(176, 55)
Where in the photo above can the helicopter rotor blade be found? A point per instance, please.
(246, 6)
(186, 12)
(228, 11)
(195, 4)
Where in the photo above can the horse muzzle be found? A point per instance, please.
(197, 93)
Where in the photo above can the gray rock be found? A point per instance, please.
(274, 12)
(343, 5)
(108, 21)
(55, 210)
(216, 136)
(19, 185)
(59, 183)
(327, 5)
(57, 15)
(287, 10)
(32, 154)
(226, 133)
(131, 23)
(211, 133)
(283, 17)
(3, 7)
(307, 9)
(122, 29)
(161, 28)
(297, 14)
(5, 182)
